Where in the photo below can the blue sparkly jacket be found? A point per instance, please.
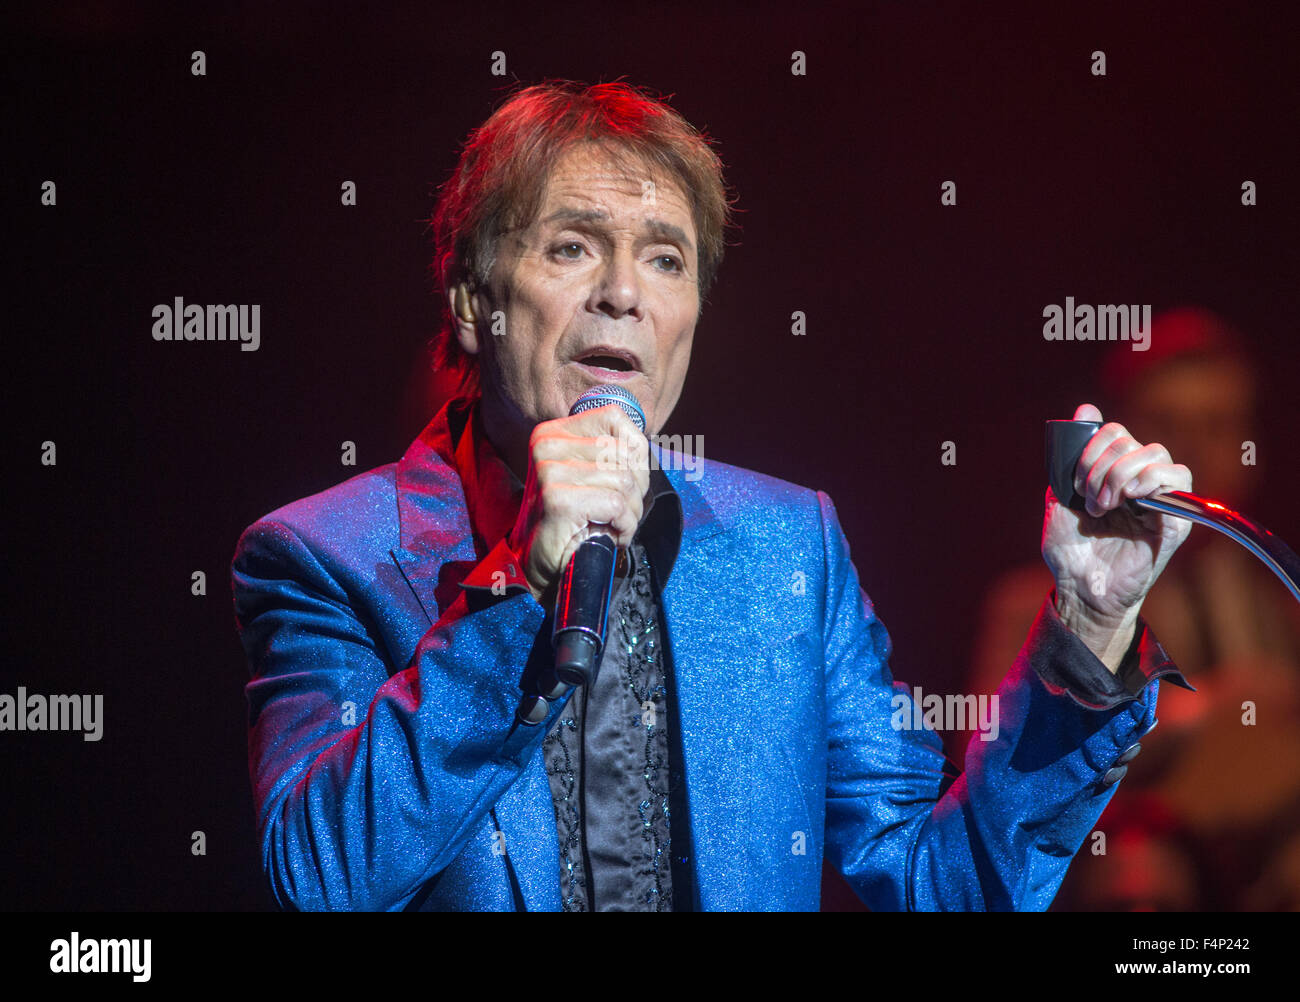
(388, 772)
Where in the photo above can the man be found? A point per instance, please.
(407, 746)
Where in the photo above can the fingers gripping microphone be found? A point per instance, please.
(582, 600)
(1066, 441)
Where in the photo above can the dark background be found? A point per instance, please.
(924, 322)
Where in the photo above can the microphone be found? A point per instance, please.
(1066, 441)
(582, 600)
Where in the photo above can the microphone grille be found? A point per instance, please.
(609, 393)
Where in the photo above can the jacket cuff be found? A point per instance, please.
(499, 573)
(1066, 664)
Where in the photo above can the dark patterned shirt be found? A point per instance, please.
(607, 760)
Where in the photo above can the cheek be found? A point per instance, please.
(679, 359)
(677, 349)
(526, 352)
(542, 314)
(674, 362)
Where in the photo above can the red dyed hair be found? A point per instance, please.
(505, 164)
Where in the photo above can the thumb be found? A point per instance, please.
(1086, 412)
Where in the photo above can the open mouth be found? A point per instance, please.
(609, 360)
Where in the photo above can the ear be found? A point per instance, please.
(464, 317)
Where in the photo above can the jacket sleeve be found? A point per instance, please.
(367, 779)
(1001, 835)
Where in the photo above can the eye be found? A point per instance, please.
(674, 263)
(561, 250)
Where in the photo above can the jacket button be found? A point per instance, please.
(1113, 776)
(1129, 755)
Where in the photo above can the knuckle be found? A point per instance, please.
(1120, 446)
(548, 499)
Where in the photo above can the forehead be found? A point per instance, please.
(587, 177)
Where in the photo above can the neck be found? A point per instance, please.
(508, 432)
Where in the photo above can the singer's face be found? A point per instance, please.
(602, 287)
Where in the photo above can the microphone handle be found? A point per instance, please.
(581, 610)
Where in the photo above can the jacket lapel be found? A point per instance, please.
(435, 532)
(433, 518)
(712, 643)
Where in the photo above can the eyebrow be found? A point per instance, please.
(657, 228)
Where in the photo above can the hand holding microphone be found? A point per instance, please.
(1066, 443)
(588, 477)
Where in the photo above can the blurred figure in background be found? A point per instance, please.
(1220, 786)
(1152, 863)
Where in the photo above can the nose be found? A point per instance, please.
(618, 292)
